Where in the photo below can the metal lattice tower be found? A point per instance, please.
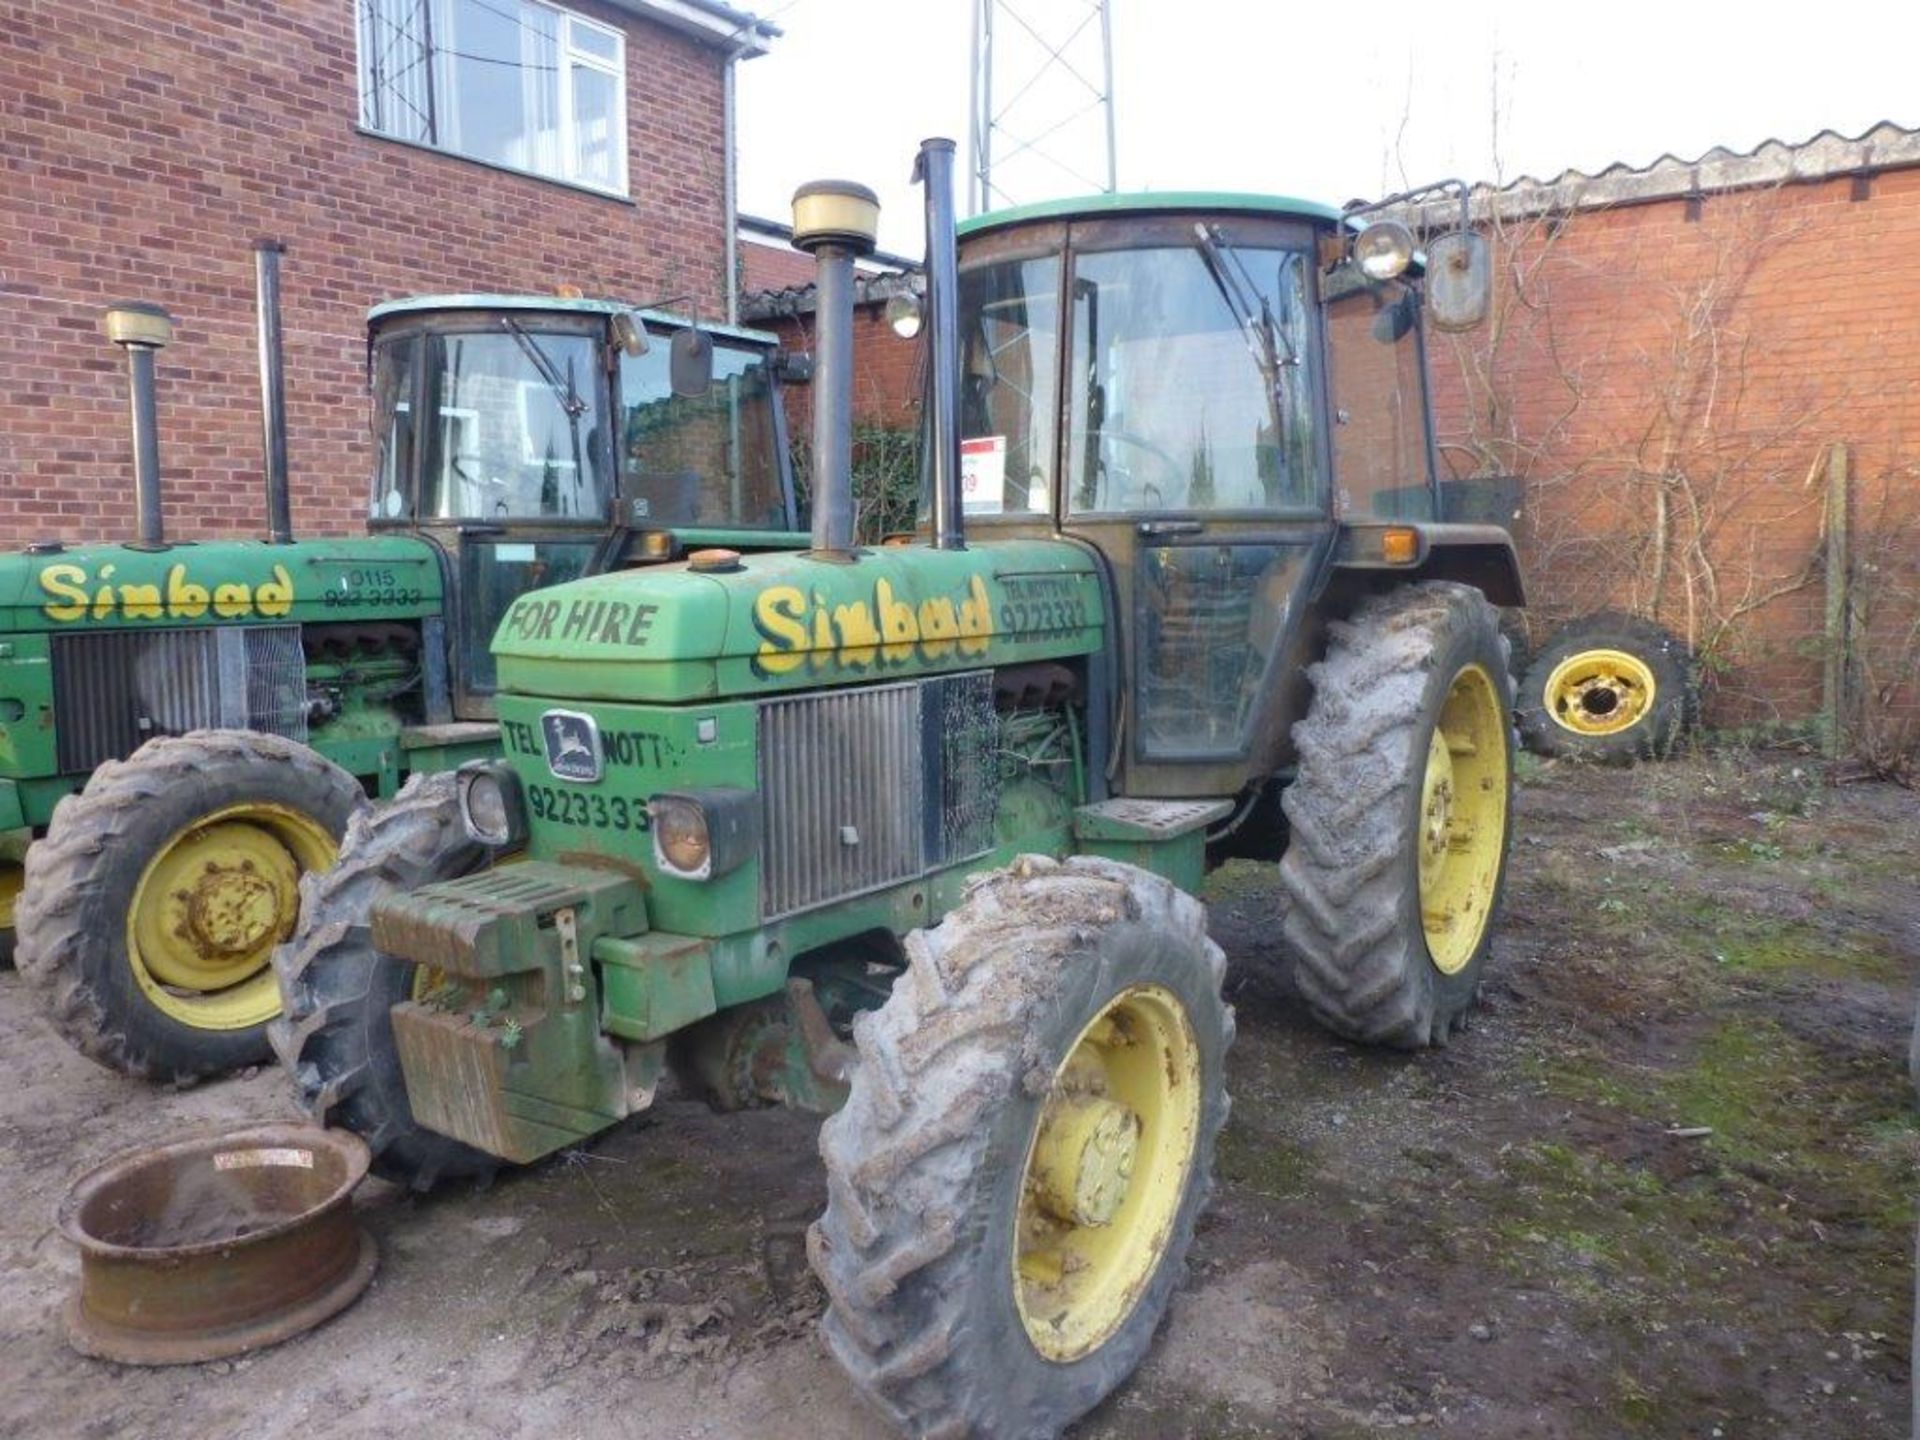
(1042, 103)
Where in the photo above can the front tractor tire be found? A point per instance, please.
(1014, 1181)
(150, 910)
(336, 1036)
(1400, 816)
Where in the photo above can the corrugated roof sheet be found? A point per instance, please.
(1884, 146)
(765, 305)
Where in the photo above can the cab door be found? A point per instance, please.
(517, 477)
(1193, 454)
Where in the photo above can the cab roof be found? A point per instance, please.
(556, 304)
(1151, 203)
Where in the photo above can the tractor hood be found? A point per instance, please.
(774, 622)
(219, 583)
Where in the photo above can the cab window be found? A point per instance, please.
(515, 433)
(1381, 465)
(1189, 387)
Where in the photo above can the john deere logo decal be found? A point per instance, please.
(573, 745)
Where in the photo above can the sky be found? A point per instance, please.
(1324, 101)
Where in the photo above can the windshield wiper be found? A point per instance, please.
(563, 389)
(1265, 339)
(1249, 306)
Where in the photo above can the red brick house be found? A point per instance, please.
(395, 147)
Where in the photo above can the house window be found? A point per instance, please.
(516, 83)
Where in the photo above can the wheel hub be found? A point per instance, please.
(1083, 1160)
(1600, 692)
(232, 908)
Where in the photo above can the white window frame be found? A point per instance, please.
(569, 53)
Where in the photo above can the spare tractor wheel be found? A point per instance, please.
(151, 908)
(1401, 816)
(1014, 1180)
(336, 1037)
(1610, 688)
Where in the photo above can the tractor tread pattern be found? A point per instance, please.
(1343, 872)
(329, 975)
(902, 1157)
(66, 869)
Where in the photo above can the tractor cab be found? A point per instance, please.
(1227, 400)
(533, 440)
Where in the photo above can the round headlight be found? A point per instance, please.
(1384, 249)
(681, 845)
(903, 315)
(489, 805)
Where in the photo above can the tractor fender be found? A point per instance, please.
(1478, 555)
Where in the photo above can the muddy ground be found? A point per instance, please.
(1503, 1240)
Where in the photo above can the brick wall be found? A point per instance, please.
(147, 142)
(768, 266)
(886, 371)
(1710, 352)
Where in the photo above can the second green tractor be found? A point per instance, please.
(912, 834)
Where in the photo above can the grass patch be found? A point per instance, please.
(1274, 1169)
(1238, 879)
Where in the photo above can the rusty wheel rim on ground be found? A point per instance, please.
(217, 1244)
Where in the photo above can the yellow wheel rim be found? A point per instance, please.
(1463, 819)
(211, 905)
(1600, 692)
(1105, 1172)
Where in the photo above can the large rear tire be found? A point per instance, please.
(1400, 816)
(336, 1037)
(1014, 1181)
(151, 908)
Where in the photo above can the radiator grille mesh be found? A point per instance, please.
(114, 690)
(962, 731)
(840, 783)
(870, 787)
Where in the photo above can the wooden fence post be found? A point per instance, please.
(1833, 690)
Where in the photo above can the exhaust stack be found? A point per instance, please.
(273, 393)
(143, 330)
(836, 220)
(934, 170)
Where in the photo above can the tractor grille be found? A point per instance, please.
(115, 690)
(870, 787)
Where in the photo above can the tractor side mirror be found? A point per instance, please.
(690, 363)
(795, 367)
(1459, 279)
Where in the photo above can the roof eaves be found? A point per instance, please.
(739, 31)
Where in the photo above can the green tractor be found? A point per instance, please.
(187, 729)
(911, 834)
